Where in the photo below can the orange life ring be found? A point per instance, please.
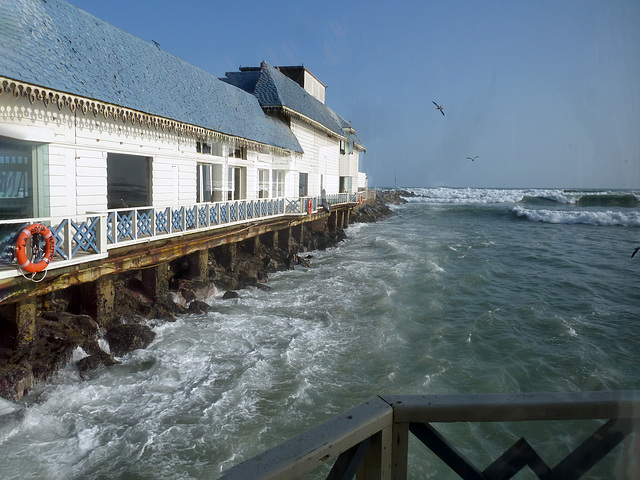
(309, 207)
(21, 248)
(361, 200)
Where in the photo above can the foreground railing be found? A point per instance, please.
(84, 238)
(372, 439)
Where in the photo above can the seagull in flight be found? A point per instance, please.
(472, 159)
(439, 108)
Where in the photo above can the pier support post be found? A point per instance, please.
(105, 297)
(269, 239)
(225, 254)
(199, 265)
(332, 223)
(284, 238)
(250, 245)
(346, 218)
(298, 233)
(155, 281)
(25, 322)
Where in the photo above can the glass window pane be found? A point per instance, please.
(128, 181)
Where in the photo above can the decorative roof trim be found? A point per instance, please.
(304, 118)
(74, 102)
(361, 147)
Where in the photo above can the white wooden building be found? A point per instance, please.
(93, 119)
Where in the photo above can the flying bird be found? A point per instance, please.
(472, 159)
(438, 107)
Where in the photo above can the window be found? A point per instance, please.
(263, 183)
(239, 151)
(277, 183)
(128, 180)
(24, 179)
(303, 185)
(204, 179)
(346, 184)
(214, 148)
(203, 148)
(209, 182)
(342, 149)
(236, 183)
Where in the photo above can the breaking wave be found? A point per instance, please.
(525, 196)
(446, 195)
(628, 200)
(602, 218)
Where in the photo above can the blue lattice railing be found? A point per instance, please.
(86, 238)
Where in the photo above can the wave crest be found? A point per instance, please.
(608, 200)
(603, 218)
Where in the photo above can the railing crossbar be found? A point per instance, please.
(445, 451)
(522, 454)
(347, 464)
(594, 448)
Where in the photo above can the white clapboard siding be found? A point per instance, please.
(62, 181)
(186, 182)
(320, 158)
(165, 182)
(91, 181)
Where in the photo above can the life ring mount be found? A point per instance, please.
(21, 248)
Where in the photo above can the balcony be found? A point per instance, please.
(85, 238)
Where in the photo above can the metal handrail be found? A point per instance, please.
(372, 439)
(85, 238)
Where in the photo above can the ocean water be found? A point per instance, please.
(462, 291)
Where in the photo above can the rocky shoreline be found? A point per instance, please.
(62, 329)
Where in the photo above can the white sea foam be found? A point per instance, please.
(589, 217)
(448, 195)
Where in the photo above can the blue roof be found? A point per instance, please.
(274, 89)
(56, 45)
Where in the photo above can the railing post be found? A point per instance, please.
(68, 240)
(102, 232)
(377, 462)
(400, 451)
(134, 227)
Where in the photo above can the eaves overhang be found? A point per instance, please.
(293, 113)
(75, 103)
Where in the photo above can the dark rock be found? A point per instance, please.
(126, 338)
(380, 210)
(88, 365)
(16, 380)
(230, 294)
(128, 300)
(198, 306)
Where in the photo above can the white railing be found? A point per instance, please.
(85, 238)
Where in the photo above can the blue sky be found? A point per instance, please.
(546, 93)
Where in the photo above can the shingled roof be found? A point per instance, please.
(56, 45)
(273, 89)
